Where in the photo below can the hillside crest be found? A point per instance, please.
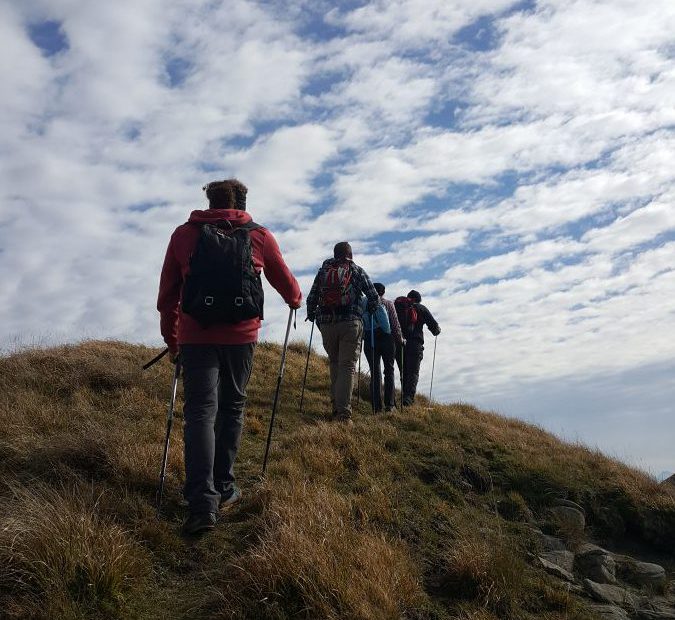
(439, 511)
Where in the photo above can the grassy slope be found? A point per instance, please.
(422, 514)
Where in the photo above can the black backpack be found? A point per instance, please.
(222, 285)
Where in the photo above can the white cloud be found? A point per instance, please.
(526, 189)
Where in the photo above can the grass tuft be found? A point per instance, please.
(62, 558)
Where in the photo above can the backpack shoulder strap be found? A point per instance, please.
(250, 226)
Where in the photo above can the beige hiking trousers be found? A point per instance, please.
(342, 341)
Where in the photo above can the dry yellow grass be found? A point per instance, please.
(61, 557)
(422, 514)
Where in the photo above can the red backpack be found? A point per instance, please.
(406, 312)
(336, 286)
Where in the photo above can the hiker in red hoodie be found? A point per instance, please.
(210, 316)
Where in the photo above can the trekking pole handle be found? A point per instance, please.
(155, 359)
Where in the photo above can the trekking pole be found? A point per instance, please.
(358, 376)
(156, 359)
(433, 364)
(402, 372)
(304, 380)
(276, 394)
(372, 361)
(169, 424)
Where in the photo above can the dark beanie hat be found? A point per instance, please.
(379, 287)
(342, 250)
(227, 194)
(415, 296)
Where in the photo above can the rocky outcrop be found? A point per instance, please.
(595, 563)
(562, 558)
(610, 612)
(639, 573)
(612, 595)
(556, 570)
(622, 587)
(570, 521)
(547, 542)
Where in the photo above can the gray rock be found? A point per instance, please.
(613, 595)
(639, 573)
(549, 543)
(554, 569)
(595, 563)
(569, 520)
(610, 612)
(564, 559)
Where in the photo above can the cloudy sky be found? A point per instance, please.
(513, 161)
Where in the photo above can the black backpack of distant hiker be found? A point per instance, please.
(337, 291)
(407, 313)
(222, 285)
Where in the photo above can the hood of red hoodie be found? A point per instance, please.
(206, 216)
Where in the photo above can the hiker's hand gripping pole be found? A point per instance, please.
(276, 394)
(169, 424)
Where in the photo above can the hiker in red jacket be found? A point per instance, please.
(214, 329)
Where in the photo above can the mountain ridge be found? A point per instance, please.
(439, 511)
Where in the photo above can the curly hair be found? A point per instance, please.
(227, 194)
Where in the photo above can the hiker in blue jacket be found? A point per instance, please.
(387, 333)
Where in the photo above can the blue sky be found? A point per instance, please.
(513, 161)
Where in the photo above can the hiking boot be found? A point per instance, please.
(391, 409)
(407, 402)
(232, 498)
(198, 523)
(345, 419)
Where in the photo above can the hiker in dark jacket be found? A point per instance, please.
(413, 351)
(216, 359)
(334, 303)
(386, 337)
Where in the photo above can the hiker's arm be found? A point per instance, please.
(431, 323)
(278, 274)
(369, 291)
(313, 297)
(170, 284)
(394, 324)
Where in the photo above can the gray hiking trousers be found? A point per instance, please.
(214, 381)
(342, 341)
